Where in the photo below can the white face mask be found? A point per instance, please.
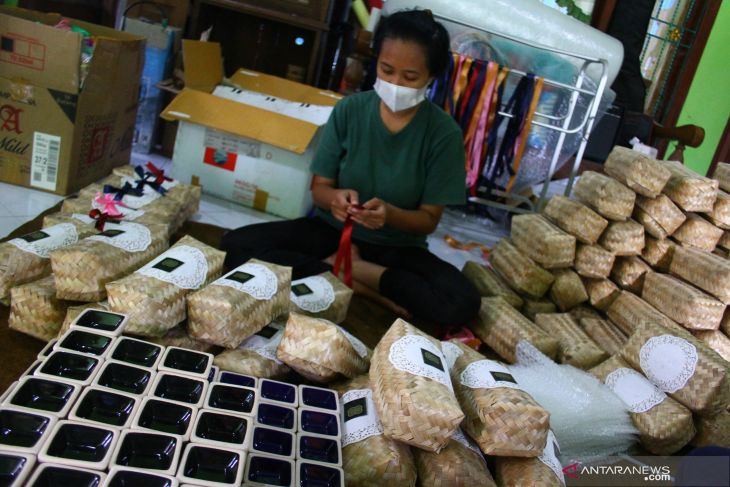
(398, 97)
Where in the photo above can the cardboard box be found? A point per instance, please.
(56, 134)
(238, 150)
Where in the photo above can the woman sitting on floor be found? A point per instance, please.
(390, 160)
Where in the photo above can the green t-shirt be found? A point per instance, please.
(421, 164)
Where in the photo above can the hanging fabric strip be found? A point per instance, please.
(455, 69)
(461, 79)
(476, 133)
(490, 149)
(524, 132)
(518, 106)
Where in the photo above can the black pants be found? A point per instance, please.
(428, 287)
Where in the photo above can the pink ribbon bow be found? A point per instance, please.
(109, 204)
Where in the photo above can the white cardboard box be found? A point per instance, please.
(237, 150)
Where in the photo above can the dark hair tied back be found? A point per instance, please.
(420, 27)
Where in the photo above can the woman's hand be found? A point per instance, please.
(372, 214)
(343, 201)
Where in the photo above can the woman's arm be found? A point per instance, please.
(376, 213)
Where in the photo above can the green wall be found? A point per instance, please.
(708, 101)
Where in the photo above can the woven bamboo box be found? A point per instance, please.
(665, 426)
(256, 356)
(520, 272)
(534, 307)
(679, 366)
(35, 310)
(26, 258)
(542, 241)
(594, 261)
(187, 195)
(488, 283)
(629, 312)
(163, 211)
(412, 389)
(322, 296)
(567, 290)
(683, 303)
(642, 174)
(716, 340)
(601, 292)
(154, 296)
(575, 218)
(576, 348)
(502, 327)
(688, 189)
(501, 417)
(459, 463)
(520, 472)
(320, 350)
(608, 197)
(724, 242)
(180, 338)
(699, 233)
(658, 253)
(605, 334)
(580, 312)
(713, 430)
(629, 273)
(720, 215)
(709, 272)
(624, 238)
(239, 304)
(369, 458)
(659, 216)
(722, 175)
(82, 270)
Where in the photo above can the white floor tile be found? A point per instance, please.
(25, 202)
(10, 223)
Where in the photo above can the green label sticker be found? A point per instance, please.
(301, 289)
(35, 236)
(503, 377)
(168, 264)
(355, 409)
(240, 277)
(111, 233)
(432, 359)
(267, 332)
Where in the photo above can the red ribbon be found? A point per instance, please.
(158, 173)
(344, 253)
(101, 219)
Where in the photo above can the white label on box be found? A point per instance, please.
(634, 389)
(43, 242)
(668, 361)
(488, 374)
(416, 355)
(265, 342)
(466, 441)
(550, 456)
(183, 266)
(128, 236)
(44, 164)
(451, 352)
(313, 294)
(359, 346)
(256, 280)
(359, 418)
(232, 144)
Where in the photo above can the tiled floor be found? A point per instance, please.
(18, 205)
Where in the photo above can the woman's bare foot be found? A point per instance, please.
(355, 256)
(365, 291)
